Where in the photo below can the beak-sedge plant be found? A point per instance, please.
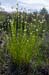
(24, 47)
(20, 46)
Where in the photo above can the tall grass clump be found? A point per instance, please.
(20, 46)
(24, 41)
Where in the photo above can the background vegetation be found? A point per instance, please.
(24, 41)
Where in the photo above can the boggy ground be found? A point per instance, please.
(23, 69)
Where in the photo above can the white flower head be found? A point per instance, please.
(44, 20)
(24, 34)
(21, 16)
(18, 16)
(25, 30)
(43, 16)
(43, 30)
(22, 21)
(31, 33)
(10, 20)
(27, 40)
(34, 26)
(41, 22)
(31, 23)
(42, 38)
(37, 30)
(25, 22)
(0, 29)
(34, 19)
